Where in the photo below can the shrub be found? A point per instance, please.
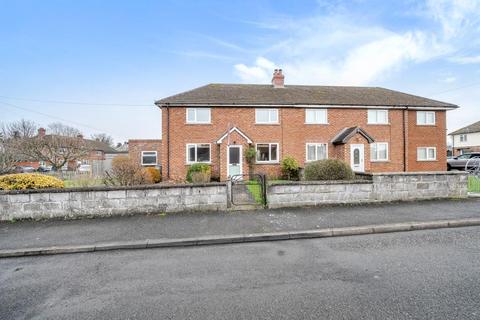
(125, 172)
(21, 181)
(199, 173)
(153, 175)
(290, 168)
(329, 169)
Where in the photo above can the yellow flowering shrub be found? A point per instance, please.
(22, 181)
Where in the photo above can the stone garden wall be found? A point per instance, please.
(374, 187)
(103, 201)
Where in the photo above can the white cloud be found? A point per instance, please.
(449, 79)
(455, 16)
(466, 60)
(339, 49)
(259, 73)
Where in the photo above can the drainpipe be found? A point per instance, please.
(168, 140)
(405, 139)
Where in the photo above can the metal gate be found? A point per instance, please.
(472, 167)
(248, 189)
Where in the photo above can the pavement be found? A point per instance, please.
(184, 229)
(429, 274)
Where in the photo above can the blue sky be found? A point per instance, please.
(123, 55)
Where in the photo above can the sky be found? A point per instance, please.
(100, 65)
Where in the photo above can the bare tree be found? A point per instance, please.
(19, 129)
(11, 134)
(103, 137)
(61, 145)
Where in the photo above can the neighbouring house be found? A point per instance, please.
(99, 156)
(147, 152)
(466, 139)
(373, 129)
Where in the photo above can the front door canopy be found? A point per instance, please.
(249, 141)
(347, 133)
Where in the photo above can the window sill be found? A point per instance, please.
(190, 163)
(426, 125)
(310, 161)
(268, 162)
(379, 161)
(418, 160)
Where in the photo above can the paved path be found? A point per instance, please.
(172, 226)
(416, 275)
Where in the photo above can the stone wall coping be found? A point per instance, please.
(114, 188)
(322, 182)
(420, 173)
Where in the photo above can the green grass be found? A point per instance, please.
(83, 182)
(473, 184)
(255, 189)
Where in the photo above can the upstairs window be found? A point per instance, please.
(149, 158)
(316, 151)
(198, 115)
(377, 116)
(198, 153)
(426, 118)
(426, 154)
(316, 116)
(463, 138)
(379, 151)
(266, 116)
(267, 152)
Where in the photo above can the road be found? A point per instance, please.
(430, 274)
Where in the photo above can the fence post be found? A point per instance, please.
(264, 188)
(229, 193)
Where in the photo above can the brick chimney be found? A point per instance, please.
(278, 80)
(41, 132)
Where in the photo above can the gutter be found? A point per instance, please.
(433, 108)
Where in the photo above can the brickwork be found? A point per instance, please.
(292, 134)
(135, 148)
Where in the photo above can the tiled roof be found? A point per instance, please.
(345, 134)
(255, 95)
(474, 127)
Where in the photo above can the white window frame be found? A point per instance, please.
(426, 118)
(376, 111)
(463, 137)
(316, 155)
(269, 152)
(196, 146)
(150, 164)
(378, 153)
(426, 153)
(196, 121)
(269, 117)
(325, 120)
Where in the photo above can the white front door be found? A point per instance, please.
(234, 160)
(357, 157)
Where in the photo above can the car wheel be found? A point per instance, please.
(449, 167)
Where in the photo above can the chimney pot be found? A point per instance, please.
(278, 80)
(41, 132)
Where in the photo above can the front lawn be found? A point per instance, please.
(255, 190)
(473, 184)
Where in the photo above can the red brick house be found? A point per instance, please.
(372, 129)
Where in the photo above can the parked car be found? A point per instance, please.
(44, 169)
(84, 168)
(459, 162)
(24, 169)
